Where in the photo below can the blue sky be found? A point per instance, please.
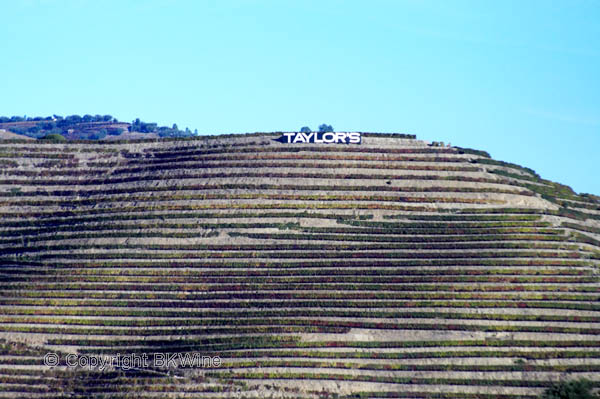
(519, 79)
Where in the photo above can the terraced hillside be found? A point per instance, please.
(389, 269)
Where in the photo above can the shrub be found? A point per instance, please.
(305, 129)
(114, 131)
(578, 389)
(54, 137)
(99, 135)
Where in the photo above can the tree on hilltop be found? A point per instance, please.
(324, 128)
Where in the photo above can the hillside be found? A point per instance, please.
(391, 268)
(5, 135)
(86, 127)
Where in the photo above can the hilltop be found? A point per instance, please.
(86, 127)
(390, 268)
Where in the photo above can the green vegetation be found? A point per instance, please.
(473, 152)
(578, 389)
(86, 127)
(324, 128)
(54, 137)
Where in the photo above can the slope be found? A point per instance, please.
(392, 268)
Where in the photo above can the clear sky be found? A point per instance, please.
(519, 79)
